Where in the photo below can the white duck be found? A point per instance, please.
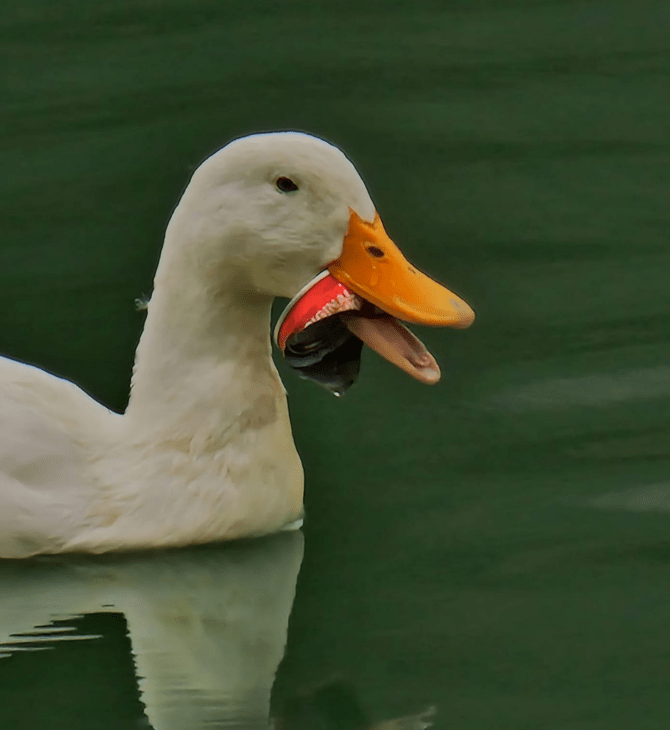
(204, 450)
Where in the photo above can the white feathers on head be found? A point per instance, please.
(245, 229)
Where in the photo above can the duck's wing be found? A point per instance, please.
(45, 423)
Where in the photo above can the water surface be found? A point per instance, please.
(496, 547)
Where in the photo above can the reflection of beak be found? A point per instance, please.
(372, 266)
(368, 287)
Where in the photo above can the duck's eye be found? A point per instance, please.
(286, 185)
(374, 251)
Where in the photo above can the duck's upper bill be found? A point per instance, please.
(359, 299)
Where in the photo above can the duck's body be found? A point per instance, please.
(76, 476)
(204, 450)
(46, 428)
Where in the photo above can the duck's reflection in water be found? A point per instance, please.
(207, 626)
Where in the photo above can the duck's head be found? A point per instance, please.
(287, 215)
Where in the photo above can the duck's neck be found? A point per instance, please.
(204, 357)
(204, 451)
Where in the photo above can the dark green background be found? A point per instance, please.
(498, 545)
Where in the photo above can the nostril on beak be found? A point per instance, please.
(375, 251)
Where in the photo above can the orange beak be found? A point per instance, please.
(373, 267)
(359, 299)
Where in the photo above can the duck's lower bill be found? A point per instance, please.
(394, 342)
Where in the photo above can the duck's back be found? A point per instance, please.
(46, 427)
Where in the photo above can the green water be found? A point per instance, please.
(496, 547)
